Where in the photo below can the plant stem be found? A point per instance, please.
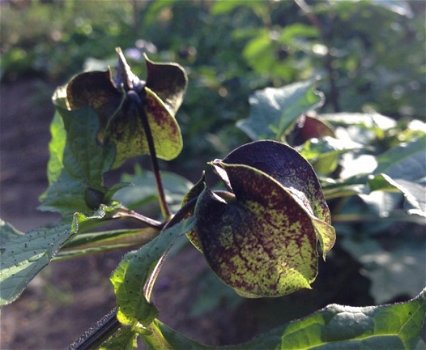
(126, 213)
(96, 335)
(154, 160)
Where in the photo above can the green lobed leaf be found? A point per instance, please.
(405, 161)
(56, 148)
(82, 165)
(141, 189)
(24, 255)
(394, 270)
(394, 326)
(275, 110)
(324, 153)
(133, 273)
(212, 294)
(403, 167)
(8, 233)
(413, 192)
(370, 121)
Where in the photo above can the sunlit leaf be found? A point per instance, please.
(366, 120)
(404, 169)
(405, 161)
(56, 148)
(324, 153)
(401, 8)
(345, 187)
(369, 125)
(222, 7)
(133, 272)
(77, 166)
(413, 192)
(275, 110)
(24, 255)
(396, 326)
(124, 339)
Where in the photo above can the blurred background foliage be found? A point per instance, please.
(368, 56)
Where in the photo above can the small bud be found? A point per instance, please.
(93, 198)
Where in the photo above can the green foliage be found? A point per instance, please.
(139, 189)
(267, 43)
(261, 235)
(76, 166)
(393, 267)
(274, 111)
(61, 36)
(24, 256)
(395, 326)
(90, 240)
(125, 338)
(134, 276)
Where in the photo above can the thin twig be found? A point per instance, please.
(126, 213)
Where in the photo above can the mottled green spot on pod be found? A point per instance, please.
(260, 237)
(296, 175)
